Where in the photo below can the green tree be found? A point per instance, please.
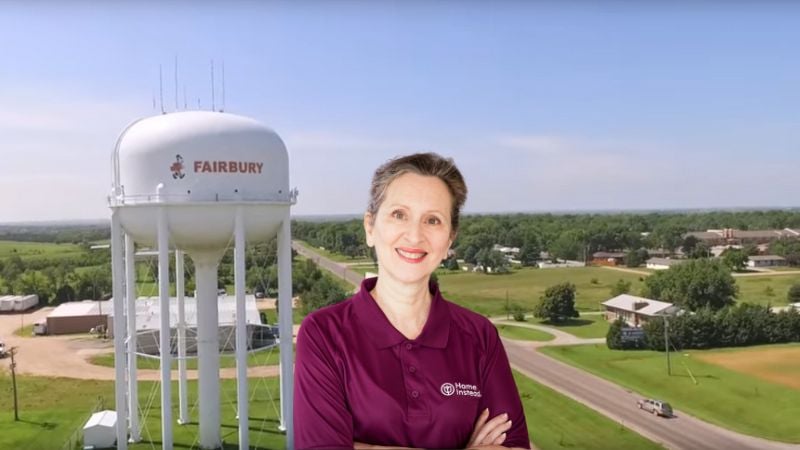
(323, 292)
(667, 236)
(621, 287)
(451, 264)
(557, 304)
(568, 245)
(689, 244)
(33, 282)
(529, 254)
(736, 259)
(635, 258)
(793, 296)
(694, 284)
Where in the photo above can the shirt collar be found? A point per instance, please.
(383, 334)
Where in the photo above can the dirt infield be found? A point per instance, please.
(775, 364)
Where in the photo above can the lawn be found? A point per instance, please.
(523, 334)
(556, 421)
(338, 257)
(486, 293)
(269, 357)
(756, 289)
(777, 363)
(731, 399)
(53, 409)
(586, 326)
(38, 250)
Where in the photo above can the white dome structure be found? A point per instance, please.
(195, 182)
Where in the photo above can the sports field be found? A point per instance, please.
(737, 400)
(778, 364)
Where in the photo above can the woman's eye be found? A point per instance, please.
(398, 214)
(434, 221)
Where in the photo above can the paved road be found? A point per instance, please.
(615, 402)
(341, 270)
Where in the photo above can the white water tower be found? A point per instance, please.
(195, 182)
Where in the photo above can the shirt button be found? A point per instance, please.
(414, 394)
(408, 346)
(412, 369)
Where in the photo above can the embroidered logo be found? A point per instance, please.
(465, 390)
(448, 389)
(177, 168)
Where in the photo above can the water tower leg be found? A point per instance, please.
(183, 391)
(241, 334)
(208, 351)
(285, 327)
(164, 332)
(130, 296)
(120, 387)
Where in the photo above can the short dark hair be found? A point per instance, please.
(426, 164)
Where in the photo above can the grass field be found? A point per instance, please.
(778, 364)
(338, 257)
(36, 250)
(586, 326)
(558, 422)
(755, 289)
(486, 294)
(269, 357)
(52, 409)
(523, 334)
(731, 399)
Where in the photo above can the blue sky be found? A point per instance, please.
(544, 106)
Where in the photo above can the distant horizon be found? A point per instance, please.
(348, 216)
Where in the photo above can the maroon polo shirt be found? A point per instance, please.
(359, 379)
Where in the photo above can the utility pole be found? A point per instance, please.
(508, 308)
(666, 344)
(13, 352)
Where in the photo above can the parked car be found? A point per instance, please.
(3, 351)
(656, 407)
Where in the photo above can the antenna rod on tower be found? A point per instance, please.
(161, 89)
(176, 82)
(213, 106)
(185, 107)
(223, 87)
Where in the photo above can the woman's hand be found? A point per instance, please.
(489, 432)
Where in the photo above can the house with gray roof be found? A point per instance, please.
(636, 311)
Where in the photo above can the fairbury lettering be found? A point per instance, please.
(228, 167)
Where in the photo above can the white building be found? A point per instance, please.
(636, 311)
(766, 261)
(663, 263)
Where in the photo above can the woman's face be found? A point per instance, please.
(411, 231)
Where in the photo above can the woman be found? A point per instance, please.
(397, 365)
